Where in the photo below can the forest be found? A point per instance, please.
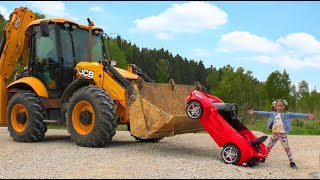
(235, 85)
(232, 85)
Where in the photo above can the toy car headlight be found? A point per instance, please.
(213, 102)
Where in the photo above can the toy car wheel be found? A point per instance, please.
(230, 154)
(194, 110)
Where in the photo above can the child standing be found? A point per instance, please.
(280, 123)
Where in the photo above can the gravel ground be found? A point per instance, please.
(189, 156)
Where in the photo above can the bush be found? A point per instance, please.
(299, 126)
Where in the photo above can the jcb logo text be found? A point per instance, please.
(86, 73)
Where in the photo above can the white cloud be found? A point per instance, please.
(4, 12)
(262, 59)
(286, 61)
(52, 9)
(295, 51)
(290, 62)
(201, 52)
(188, 17)
(301, 43)
(164, 36)
(96, 9)
(245, 41)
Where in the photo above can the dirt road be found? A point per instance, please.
(181, 156)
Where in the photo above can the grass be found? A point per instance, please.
(57, 127)
(122, 128)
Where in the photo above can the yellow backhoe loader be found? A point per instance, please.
(65, 78)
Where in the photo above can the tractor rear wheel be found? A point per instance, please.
(25, 117)
(91, 117)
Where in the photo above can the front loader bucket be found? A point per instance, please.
(159, 110)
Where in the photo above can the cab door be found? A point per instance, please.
(45, 61)
(68, 61)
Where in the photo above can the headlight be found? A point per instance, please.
(213, 102)
(66, 25)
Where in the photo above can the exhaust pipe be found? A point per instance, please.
(90, 39)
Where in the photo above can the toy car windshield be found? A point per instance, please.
(227, 107)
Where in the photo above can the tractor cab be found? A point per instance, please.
(56, 46)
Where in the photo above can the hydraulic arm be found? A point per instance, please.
(11, 48)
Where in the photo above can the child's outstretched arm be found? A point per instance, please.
(259, 113)
(300, 115)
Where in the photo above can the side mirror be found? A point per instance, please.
(113, 63)
(44, 28)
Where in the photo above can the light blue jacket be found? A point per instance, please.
(286, 118)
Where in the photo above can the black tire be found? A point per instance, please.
(104, 119)
(31, 128)
(230, 154)
(194, 110)
(252, 162)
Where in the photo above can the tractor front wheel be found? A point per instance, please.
(91, 117)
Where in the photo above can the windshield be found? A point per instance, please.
(80, 40)
(74, 49)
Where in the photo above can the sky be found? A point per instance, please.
(260, 36)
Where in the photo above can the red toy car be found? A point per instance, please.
(219, 119)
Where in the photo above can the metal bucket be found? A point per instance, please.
(159, 110)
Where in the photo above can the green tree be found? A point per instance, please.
(116, 54)
(127, 48)
(162, 75)
(314, 101)
(293, 98)
(39, 16)
(213, 79)
(303, 88)
(200, 73)
(303, 96)
(278, 85)
(1, 17)
(261, 100)
(3, 23)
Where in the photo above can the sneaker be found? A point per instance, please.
(293, 165)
